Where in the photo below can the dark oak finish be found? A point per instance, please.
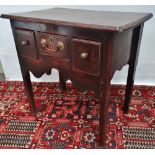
(27, 46)
(107, 20)
(86, 47)
(105, 89)
(91, 50)
(52, 41)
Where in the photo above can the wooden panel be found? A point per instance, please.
(26, 43)
(90, 64)
(121, 50)
(103, 20)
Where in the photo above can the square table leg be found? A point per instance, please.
(105, 92)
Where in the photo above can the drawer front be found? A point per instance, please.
(25, 41)
(53, 45)
(86, 56)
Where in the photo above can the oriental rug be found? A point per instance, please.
(69, 119)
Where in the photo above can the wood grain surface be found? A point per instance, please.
(105, 20)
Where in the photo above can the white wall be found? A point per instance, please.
(145, 74)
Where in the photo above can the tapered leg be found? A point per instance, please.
(28, 88)
(135, 45)
(62, 81)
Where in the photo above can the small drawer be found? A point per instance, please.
(25, 41)
(52, 45)
(86, 56)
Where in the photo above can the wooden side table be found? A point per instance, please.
(86, 47)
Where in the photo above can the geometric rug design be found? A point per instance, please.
(15, 140)
(70, 119)
(139, 137)
(25, 126)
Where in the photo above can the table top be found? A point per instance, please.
(102, 20)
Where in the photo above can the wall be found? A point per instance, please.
(145, 74)
(1, 69)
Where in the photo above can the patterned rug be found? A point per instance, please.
(70, 119)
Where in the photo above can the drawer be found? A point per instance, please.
(86, 56)
(25, 41)
(53, 45)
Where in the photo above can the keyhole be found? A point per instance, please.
(51, 39)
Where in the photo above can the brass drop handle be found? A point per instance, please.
(60, 46)
(84, 55)
(24, 43)
(44, 44)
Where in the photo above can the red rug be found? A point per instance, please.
(70, 119)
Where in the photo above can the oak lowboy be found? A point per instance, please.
(86, 47)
